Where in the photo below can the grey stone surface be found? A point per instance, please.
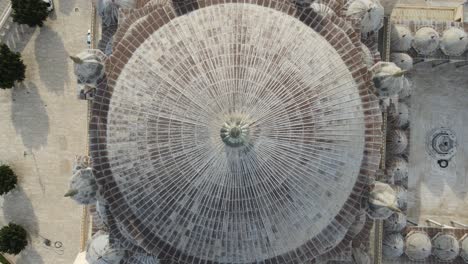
(42, 128)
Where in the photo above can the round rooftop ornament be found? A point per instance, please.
(214, 126)
(402, 60)
(418, 245)
(388, 78)
(464, 248)
(83, 187)
(426, 40)
(89, 66)
(392, 245)
(397, 168)
(402, 197)
(370, 13)
(454, 42)
(322, 9)
(399, 114)
(99, 251)
(367, 56)
(395, 223)
(397, 141)
(401, 38)
(382, 201)
(446, 247)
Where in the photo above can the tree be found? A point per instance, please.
(13, 239)
(12, 67)
(29, 12)
(8, 179)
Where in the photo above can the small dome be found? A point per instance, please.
(454, 42)
(322, 9)
(395, 223)
(426, 40)
(388, 78)
(367, 56)
(370, 12)
(406, 90)
(397, 142)
(382, 201)
(464, 248)
(402, 60)
(402, 197)
(83, 187)
(392, 245)
(418, 245)
(399, 114)
(360, 256)
(89, 67)
(358, 224)
(99, 251)
(397, 169)
(108, 10)
(446, 247)
(401, 38)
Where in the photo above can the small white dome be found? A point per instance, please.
(402, 197)
(454, 42)
(89, 67)
(83, 187)
(99, 251)
(401, 38)
(388, 78)
(397, 141)
(402, 60)
(358, 224)
(418, 245)
(399, 114)
(426, 40)
(446, 247)
(392, 245)
(367, 56)
(322, 9)
(395, 223)
(464, 248)
(370, 12)
(397, 169)
(382, 201)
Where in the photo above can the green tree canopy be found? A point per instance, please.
(12, 67)
(8, 179)
(30, 12)
(13, 239)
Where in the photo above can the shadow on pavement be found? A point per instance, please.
(29, 115)
(52, 60)
(28, 256)
(65, 7)
(18, 36)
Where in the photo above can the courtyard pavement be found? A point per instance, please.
(42, 128)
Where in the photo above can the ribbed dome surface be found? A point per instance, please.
(227, 139)
(418, 245)
(454, 41)
(401, 38)
(426, 40)
(446, 247)
(393, 245)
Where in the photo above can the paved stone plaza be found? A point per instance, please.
(43, 127)
(440, 99)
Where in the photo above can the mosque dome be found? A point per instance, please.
(322, 9)
(83, 187)
(99, 250)
(464, 248)
(399, 114)
(382, 201)
(395, 223)
(358, 224)
(401, 38)
(392, 245)
(454, 41)
(426, 40)
(418, 245)
(397, 141)
(397, 169)
(217, 135)
(446, 247)
(402, 60)
(369, 12)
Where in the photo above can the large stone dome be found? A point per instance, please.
(220, 134)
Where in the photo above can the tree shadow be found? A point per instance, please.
(29, 115)
(18, 36)
(52, 60)
(29, 255)
(17, 208)
(65, 7)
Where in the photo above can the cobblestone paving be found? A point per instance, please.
(42, 128)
